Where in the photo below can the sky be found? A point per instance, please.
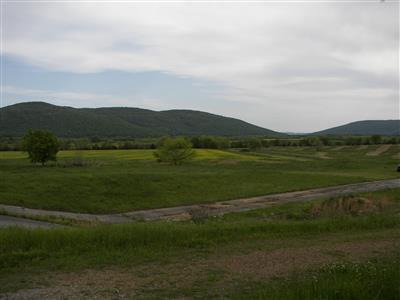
(297, 66)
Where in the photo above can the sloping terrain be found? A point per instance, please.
(381, 127)
(119, 121)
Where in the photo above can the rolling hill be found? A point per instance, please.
(64, 121)
(381, 127)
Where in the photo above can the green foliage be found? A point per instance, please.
(174, 151)
(119, 122)
(206, 142)
(374, 127)
(376, 139)
(210, 142)
(254, 143)
(41, 146)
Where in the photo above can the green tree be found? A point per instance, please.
(41, 146)
(254, 143)
(376, 139)
(174, 151)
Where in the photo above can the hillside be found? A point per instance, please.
(64, 121)
(381, 127)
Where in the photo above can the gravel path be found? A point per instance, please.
(8, 221)
(218, 208)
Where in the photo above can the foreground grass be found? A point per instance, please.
(376, 279)
(25, 254)
(116, 244)
(120, 244)
(123, 180)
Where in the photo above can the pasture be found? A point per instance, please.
(125, 180)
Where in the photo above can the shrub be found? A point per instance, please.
(174, 151)
(41, 146)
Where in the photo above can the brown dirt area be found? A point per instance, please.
(284, 261)
(173, 278)
(339, 148)
(323, 155)
(379, 150)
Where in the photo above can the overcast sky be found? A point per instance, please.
(284, 65)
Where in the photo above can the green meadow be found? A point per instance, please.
(338, 248)
(124, 180)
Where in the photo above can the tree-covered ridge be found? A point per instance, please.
(16, 119)
(381, 127)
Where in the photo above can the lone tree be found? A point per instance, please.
(174, 151)
(41, 146)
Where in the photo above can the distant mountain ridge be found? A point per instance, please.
(66, 121)
(368, 127)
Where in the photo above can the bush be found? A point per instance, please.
(174, 151)
(41, 146)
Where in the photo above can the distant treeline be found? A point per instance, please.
(208, 142)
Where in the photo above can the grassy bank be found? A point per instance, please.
(115, 244)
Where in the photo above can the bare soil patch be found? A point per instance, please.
(284, 261)
(379, 150)
(339, 148)
(323, 155)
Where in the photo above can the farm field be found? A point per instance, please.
(126, 180)
(291, 251)
(334, 248)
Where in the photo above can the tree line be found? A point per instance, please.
(42, 146)
(207, 142)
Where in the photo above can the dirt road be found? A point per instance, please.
(218, 208)
(8, 221)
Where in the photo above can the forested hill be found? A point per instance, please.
(16, 119)
(381, 127)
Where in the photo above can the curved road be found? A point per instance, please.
(8, 221)
(186, 212)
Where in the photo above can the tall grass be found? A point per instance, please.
(375, 279)
(82, 247)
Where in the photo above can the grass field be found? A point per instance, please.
(282, 252)
(124, 180)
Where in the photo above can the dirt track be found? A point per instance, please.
(8, 221)
(218, 208)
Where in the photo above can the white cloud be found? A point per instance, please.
(78, 99)
(277, 56)
(63, 97)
